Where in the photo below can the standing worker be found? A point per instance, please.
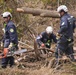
(10, 39)
(65, 34)
(46, 38)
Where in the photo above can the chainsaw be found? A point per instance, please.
(8, 53)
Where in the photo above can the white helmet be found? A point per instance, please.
(62, 7)
(6, 14)
(49, 29)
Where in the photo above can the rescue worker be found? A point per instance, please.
(46, 38)
(65, 33)
(10, 39)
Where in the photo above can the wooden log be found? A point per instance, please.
(74, 48)
(51, 50)
(37, 52)
(42, 12)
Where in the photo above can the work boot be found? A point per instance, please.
(4, 67)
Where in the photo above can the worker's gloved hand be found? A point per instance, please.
(47, 44)
(11, 45)
(58, 36)
(42, 45)
(1, 44)
(3, 30)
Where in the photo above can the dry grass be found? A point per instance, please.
(40, 68)
(66, 70)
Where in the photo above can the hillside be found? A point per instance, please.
(29, 25)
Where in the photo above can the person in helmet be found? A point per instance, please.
(46, 38)
(67, 26)
(10, 39)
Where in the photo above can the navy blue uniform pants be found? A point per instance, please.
(63, 47)
(7, 60)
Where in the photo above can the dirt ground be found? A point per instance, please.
(31, 66)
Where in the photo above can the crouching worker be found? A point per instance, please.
(10, 40)
(45, 38)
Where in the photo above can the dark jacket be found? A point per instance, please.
(43, 38)
(10, 35)
(66, 26)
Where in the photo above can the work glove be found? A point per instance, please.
(1, 44)
(47, 44)
(3, 30)
(11, 45)
(58, 36)
(42, 45)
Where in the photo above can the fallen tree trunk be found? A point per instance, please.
(41, 12)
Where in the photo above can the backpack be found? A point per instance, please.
(71, 21)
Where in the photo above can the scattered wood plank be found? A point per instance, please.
(74, 48)
(37, 53)
(51, 50)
